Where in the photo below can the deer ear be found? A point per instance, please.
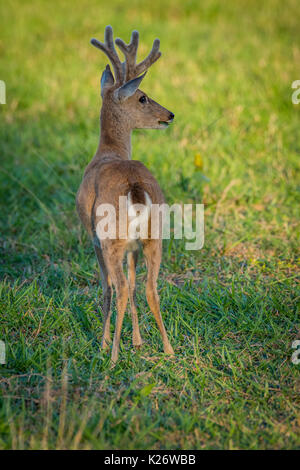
(107, 79)
(129, 88)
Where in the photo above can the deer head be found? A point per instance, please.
(123, 102)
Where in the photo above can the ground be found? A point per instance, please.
(230, 308)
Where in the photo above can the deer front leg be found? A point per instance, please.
(132, 262)
(152, 251)
(113, 254)
(107, 295)
(121, 286)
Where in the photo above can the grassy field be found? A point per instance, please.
(230, 308)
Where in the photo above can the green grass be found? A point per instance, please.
(231, 308)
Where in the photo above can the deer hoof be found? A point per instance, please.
(137, 342)
(104, 344)
(169, 350)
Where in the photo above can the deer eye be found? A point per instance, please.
(143, 99)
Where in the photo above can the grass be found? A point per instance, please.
(231, 308)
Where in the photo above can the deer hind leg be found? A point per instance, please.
(132, 257)
(107, 295)
(113, 255)
(152, 252)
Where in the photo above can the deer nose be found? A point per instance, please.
(171, 116)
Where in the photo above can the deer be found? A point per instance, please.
(111, 174)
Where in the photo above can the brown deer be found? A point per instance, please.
(112, 174)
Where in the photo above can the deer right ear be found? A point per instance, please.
(107, 80)
(128, 89)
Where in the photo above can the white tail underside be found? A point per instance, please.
(138, 219)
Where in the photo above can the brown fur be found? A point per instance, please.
(111, 174)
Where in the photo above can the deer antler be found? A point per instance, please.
(109, 49)
(133, 69)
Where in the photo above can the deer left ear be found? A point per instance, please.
(107, 80)
(129, 88)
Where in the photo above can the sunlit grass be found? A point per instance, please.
(230, 309)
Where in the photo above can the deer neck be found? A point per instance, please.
(115, 137)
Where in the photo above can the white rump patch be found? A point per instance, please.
(138, 218)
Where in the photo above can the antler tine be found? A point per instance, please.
(129, 51)
(109, 49)
(132, 69)
(153, 56)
